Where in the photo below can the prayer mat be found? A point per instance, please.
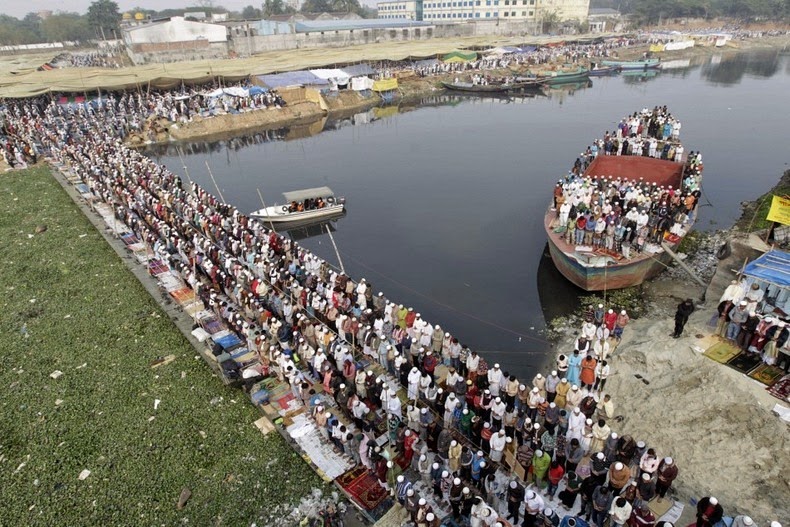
(227, 341)
(212, 325)
(366, 491)
(659, 508)
(184, 295)
(744, 362)
(130, 239)
(781, 388)
(767, 374)
(722, 352)
(157, 267)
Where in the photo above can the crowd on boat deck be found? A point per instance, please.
(629, 216)
(475, 443)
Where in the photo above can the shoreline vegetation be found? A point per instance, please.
(80, 391)
(306, 113)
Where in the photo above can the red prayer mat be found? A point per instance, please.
(363, 488)
(781, 388)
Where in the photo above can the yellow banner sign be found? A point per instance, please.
(780, 210)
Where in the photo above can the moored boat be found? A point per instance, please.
(469, 87)
(647, 205)
(303, 206)
(551, 77)
(640, 64)
(601, 71)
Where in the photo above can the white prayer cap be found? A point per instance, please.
(447, 334)
(748, 521)
(466, 489)
(539, 453)
(618, 466)
(622, 312)
(552, 405)
(600, 305)
(588, 422)
(640, 444)
(574, 388)
(776, 524)
(713, 501)
(343, 386)
(539, 376)
(554, 372)
(496, 365)
(611, 311)
(743, 302)
(535, 390)
(327, 415)
(486, 391)
(513, 484)
(437, 326)
(565, 381)
(576, 410)
(418, 315)
(486, 425)
(599, 455)
(536, 426)
(445, 473)
(435, 466)
(522, 387)
(614, 435)
(390, 464)
(498, 399)
(646, 476)
(407, 433)
(479, 453)
(422, 501)
(453, 442)
(400, 306)
(466, 411)
(423, 457)
(410, 492)
(430, 516)
(457, 481)
(401, 478)
(668, 460)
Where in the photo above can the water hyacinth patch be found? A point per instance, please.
(96, 325)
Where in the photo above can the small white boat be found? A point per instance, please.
(303, 206)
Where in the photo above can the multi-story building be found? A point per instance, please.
(400, 9)
(438, 11)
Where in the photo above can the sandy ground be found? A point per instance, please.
(716, 422)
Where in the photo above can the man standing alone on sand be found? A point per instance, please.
(685, 309)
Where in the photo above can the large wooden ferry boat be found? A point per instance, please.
(596, 267)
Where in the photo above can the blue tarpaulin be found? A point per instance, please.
(291, 78)
(255, 90)
(772, 267)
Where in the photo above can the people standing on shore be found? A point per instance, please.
(682, 314)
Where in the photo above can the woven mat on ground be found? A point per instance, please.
(767, 374)
(157, 267)
(366, 491)
(745, 362)
(130, 238)
(212, 325)
(722, 352)
(183, 295)
(781, 388)
(659, 508)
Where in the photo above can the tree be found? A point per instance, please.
(250, 13)
(317, 6)
(273, 7)
(104, 18)
(66, 26)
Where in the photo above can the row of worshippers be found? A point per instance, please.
(746, 316)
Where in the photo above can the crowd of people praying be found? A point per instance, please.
(626, 216)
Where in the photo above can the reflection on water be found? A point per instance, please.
(446, 194)
(730, 69)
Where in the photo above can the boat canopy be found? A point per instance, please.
(308, 193)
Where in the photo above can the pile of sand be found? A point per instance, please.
(716, 422)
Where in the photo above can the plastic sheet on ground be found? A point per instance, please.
(361, 83)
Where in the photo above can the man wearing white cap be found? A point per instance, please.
(737, 316)
(494, 380)
(665, 475)
(743, 521)
(709, 512)
(498, 444)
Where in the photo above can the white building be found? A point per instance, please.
(173, 31)
(453, 10)
(438, 11)
(400, 10)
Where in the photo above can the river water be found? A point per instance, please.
(446, 197)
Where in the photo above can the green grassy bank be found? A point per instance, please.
(70, 304)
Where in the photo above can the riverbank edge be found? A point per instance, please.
(411, 88)
(632, 364)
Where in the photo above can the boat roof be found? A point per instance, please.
(633, 168)
(308, 193)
